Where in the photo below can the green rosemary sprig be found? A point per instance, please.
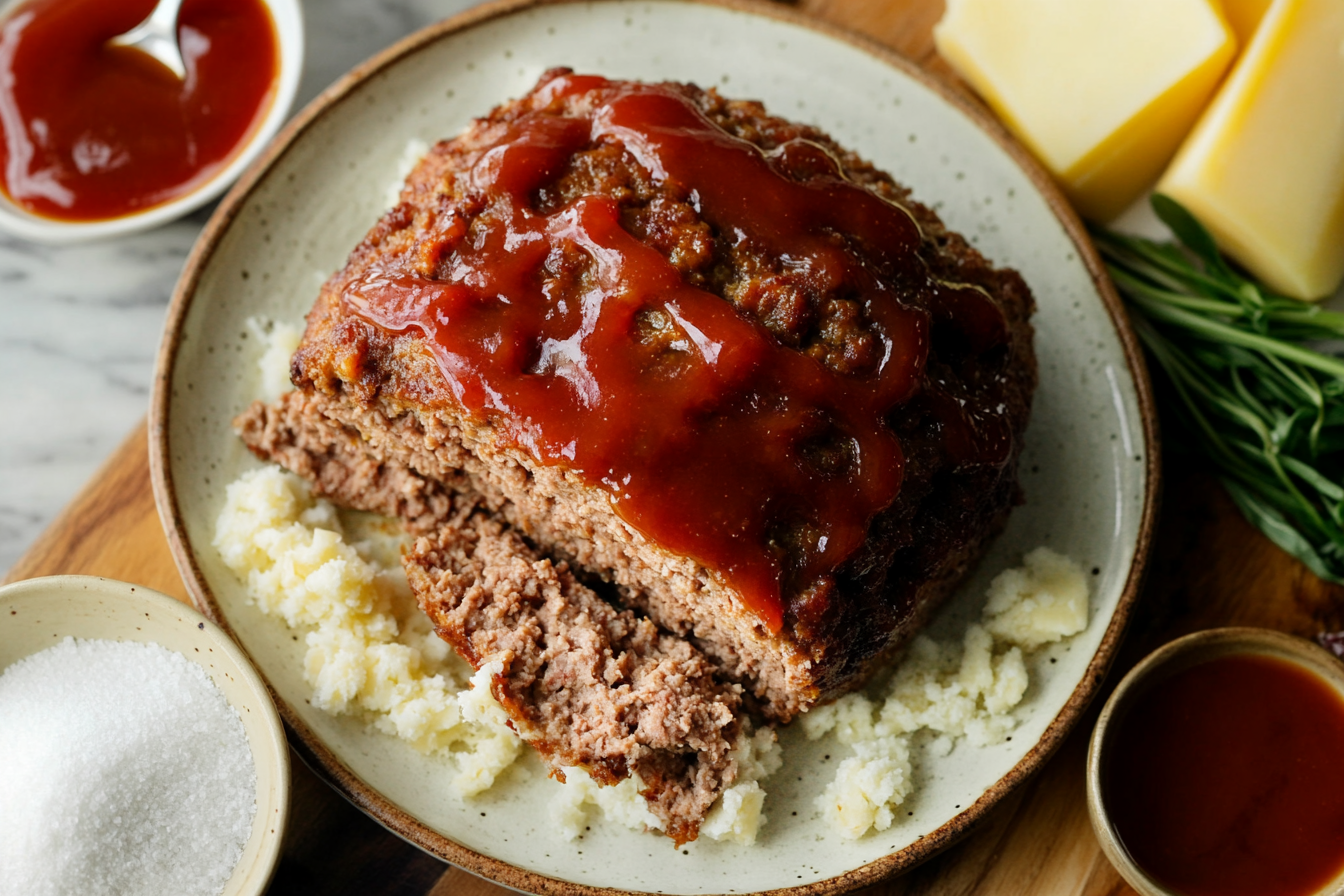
(1250, 386)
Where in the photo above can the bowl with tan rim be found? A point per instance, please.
(39, 613)
(1160, 666)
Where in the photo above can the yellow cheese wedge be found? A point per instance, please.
(1244, 16)
(1102, 91)
(1264, 168)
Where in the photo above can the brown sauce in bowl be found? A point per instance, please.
(1228, 778)
(92, 132)
(713, 438)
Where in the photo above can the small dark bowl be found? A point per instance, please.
(1161, 664)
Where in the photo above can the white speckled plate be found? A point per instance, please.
(1089, 470)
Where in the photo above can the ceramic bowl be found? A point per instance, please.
(288, 19)
(39, 613)
(1161, 665)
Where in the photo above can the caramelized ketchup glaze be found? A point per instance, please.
(757, 459)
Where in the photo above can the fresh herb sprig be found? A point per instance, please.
(1253, 386)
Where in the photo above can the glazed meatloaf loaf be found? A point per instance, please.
(693, 411)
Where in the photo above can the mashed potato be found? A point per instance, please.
(736, 816)
(965, 690)
(281, 341)
(1042, 601)
(370, 653)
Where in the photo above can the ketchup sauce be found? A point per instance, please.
(756, 459)
(94, 132)
(1228, 778)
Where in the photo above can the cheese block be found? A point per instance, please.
(1101, 91)
(1264, 168)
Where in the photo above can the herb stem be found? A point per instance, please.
(1214, 329)
(1247, 387)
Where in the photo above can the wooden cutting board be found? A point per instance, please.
(1210, 569)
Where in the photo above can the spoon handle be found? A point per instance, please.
(157, 36)
(164, 17)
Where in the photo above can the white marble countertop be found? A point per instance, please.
(80, 325)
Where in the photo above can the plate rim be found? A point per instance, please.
(328, 766)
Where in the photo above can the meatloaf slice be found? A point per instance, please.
(592, 686)
(464, 353)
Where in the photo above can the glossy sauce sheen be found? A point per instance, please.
(94, 132)
(1228, 778)
(707, 456)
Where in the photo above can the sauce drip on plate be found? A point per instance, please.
(94, 132)
(713, 438)
(1228, 778)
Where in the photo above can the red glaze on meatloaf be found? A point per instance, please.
(677, 345)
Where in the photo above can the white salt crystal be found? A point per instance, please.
(123, 770)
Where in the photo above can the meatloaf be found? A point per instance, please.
(694, 412)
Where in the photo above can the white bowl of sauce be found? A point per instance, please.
(1215, 768)
(97, 141)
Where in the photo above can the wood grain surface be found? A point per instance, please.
(1210, 569)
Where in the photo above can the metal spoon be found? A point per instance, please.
(157, 36)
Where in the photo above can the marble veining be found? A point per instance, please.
(80, 325)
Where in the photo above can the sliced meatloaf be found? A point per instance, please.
(643, 342)
(594, 686)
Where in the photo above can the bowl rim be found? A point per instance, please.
(1170, 659)
(323, 762)
(276, 748)
(287, 17)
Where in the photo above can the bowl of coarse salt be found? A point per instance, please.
(140, 752)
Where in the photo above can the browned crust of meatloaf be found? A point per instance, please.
(385, 393)
(592, 686)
